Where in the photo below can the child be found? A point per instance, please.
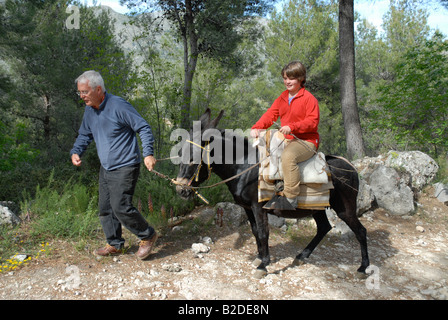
(298, 110)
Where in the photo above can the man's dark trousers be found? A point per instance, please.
(116, 190)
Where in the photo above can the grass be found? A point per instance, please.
(51, 214)
(10, 262)
(442, 174)
(68, 211)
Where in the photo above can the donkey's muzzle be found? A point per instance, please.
(182, 188)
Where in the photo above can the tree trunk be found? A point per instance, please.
(352, 124)
(46, 117)
(190, 61)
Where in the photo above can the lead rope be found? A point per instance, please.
(196, 175)
(207, 149)
(326, 164)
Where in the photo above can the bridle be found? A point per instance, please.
(195, 176)
(198, 169)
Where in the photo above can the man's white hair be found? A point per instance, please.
(93, 78)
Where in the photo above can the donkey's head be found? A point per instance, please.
(194, 169)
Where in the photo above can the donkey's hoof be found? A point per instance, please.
(361, 273)
(260, 273)
(362, 269)
(256, 263)
(298, 262)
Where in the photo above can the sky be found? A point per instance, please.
(372, 9)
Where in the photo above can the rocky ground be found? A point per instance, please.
(409, 260)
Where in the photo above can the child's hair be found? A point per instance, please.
(295, 70)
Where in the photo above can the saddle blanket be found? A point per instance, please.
(315, 178)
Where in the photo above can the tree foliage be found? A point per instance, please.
(212, 29)
(218, 54)
(415, 107)
(308, 31)
(41, 59)
(377, 55)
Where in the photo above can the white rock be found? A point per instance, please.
(19, 257)
(175, 267)
(199, 248)
(207, 240)
(7, 216)
(441, 192)
(422, 167)
(420, 229)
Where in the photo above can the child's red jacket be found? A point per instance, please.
(302, 116)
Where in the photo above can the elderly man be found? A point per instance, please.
(113, 123)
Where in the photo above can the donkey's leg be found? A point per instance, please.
(343, 201)
(261, 220)
(346, 211)
(253, 226)
(323, 227)
(361, 235)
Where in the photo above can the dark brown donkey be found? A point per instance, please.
(244, 188)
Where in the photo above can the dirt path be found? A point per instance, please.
(408, 255)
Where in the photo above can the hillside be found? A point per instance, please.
(408, 259)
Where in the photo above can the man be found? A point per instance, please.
(113, 123)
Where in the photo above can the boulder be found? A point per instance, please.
(419, 165)
(339, 227)
(393, 180)
(232, 214)
(7, 214)
(441, 192)
(276, 221)
(391, 191)
(366, 198)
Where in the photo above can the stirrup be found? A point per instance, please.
(279, 203)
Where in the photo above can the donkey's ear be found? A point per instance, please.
(215, 122)
(205, 118)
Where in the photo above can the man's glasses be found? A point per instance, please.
(82, 93)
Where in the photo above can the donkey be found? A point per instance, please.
(242, 182)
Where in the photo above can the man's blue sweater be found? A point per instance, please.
(113, 127)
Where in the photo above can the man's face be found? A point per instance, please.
(91, 97)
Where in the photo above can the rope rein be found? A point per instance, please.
(209, 169)
(196, 175)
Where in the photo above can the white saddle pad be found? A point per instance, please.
(313, 170)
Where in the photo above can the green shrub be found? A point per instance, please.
(442, 173)
(164, 201)
(70, 213)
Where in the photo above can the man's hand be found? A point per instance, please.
(76, 160)
(150, 162)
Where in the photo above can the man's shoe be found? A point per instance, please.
(146, 246)
(107, 251)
